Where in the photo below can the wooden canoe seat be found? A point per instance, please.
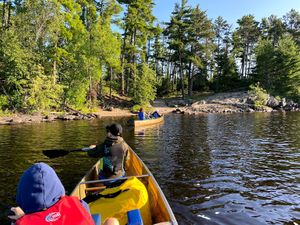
(112, 179)
(163, 223)
(102, 187)
(91, 189)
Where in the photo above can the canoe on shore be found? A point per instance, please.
(140, 123)
(159, 209)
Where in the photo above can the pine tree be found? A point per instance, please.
(222, 41)
(288, 64)
(244, 39)
(138, 28)
(200, 46)
(266, 73)
(278, 67)
(176, 33)
(292, 24)
(272, 28)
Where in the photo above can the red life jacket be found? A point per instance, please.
(67, 211)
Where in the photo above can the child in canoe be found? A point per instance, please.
(42, 200)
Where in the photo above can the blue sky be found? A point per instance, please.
(230, 10)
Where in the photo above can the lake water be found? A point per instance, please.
(213, 169)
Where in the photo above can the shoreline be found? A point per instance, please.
(222, 103)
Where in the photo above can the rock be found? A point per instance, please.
(179, 102)
(291, 106)
(282, 103)
(264, 109)
(272, 102)
(250, 110)
(250, 100)
(97, 115)
(178, 111)
(66, 117)
(36, 119)
(243, 100)
(16, 120)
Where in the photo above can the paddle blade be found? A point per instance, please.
(55, 153)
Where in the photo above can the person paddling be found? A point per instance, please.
(141, 114)
(113, 153)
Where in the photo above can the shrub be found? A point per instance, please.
(147, 108)
(258, 95)
(3, 102)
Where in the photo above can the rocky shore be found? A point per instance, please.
(234, 102)
(229, 102)
(38, 118)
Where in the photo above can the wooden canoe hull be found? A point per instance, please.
(160, 209)
(141, 123)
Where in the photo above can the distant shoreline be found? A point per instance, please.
(228, 102)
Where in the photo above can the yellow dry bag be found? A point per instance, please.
(132, 195)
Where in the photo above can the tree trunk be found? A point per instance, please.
(123, 62)
(148, 52)
(54, 72)
(3, 15)
(246, 62)
(172, 76)
(162, 67)
(134, 66)
(101, 88)
(249, 60)
(190, 81)
(9, 14)
(243, 63)
(101, 6)
(110, 82)
(181, 75)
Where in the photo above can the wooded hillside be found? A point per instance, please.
(74, 52)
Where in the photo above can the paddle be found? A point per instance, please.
(55, 153)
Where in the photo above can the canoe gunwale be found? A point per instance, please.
(142, 123)
(162, 195)
(143, 172)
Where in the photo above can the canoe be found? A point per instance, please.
(140, 123)
(161, 212)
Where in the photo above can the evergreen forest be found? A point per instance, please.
(73, 53)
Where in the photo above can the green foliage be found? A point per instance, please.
(3, 102)
(58, 52)
(291, 22)
(272, 29)
(145, 86)
(15, 63)
(136, 108)
(278, 67)
(138, 29)
(265, 57)
(42, 93)
(5, 113)
(146, 107)
(244, 39)
(75, 94)
(289, 68)
(258, 95)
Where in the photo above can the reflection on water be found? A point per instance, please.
(213, 169)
